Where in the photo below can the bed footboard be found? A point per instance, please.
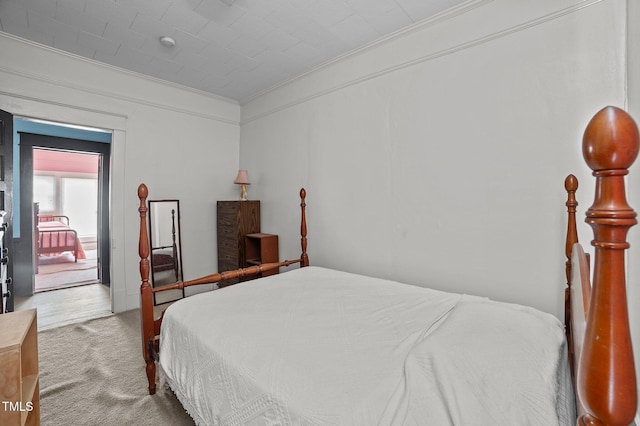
(58, 241)
(150, 325)
(53, 218)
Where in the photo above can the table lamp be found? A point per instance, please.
(243, 180)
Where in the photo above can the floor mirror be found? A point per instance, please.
(166, 248)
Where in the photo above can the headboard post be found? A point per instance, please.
(606, 367)
(304, 258)
(146, 295)
(571, 186)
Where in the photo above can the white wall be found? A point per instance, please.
(181, 143)
(437, 157)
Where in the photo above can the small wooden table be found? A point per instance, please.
(19, 375)
(261, 248)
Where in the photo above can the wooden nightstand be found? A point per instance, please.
(261, 248)
(19, 375)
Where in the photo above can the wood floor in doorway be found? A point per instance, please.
(67, 305)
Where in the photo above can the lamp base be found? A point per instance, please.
(243, 193)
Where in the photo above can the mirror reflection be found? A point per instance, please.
(166, 248)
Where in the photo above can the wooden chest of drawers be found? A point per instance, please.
(235, 219)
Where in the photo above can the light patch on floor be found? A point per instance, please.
(68, 305)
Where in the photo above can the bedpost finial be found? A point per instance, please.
(303, 193)
(571, 183)
(610, 140)
(143, 191)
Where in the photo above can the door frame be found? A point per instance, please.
(6, 203)
(29, 141)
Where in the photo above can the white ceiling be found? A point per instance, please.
(232, 48)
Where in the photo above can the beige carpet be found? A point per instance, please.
(92, 373)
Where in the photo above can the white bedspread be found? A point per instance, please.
(320, 347)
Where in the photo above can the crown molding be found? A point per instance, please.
(60, 104)
(449, 14)
(442, 16)
(6, 67)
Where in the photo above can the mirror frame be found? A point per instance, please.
(176, 246)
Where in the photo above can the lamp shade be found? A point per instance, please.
(242, 178)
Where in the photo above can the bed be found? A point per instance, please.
(314, 346)
(53, 236)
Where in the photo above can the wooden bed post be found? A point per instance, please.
(304, 258)
(571, 186)
(146, 295)
(606, 373)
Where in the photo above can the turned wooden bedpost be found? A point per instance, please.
(571, 186)
(607, 380)
(146, 294)
(304, 258)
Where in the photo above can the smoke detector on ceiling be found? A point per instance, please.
(167, 41)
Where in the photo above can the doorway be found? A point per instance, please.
(65, 200)
(54, 149)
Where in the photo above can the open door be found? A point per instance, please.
(103, 221)
(6, 210)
